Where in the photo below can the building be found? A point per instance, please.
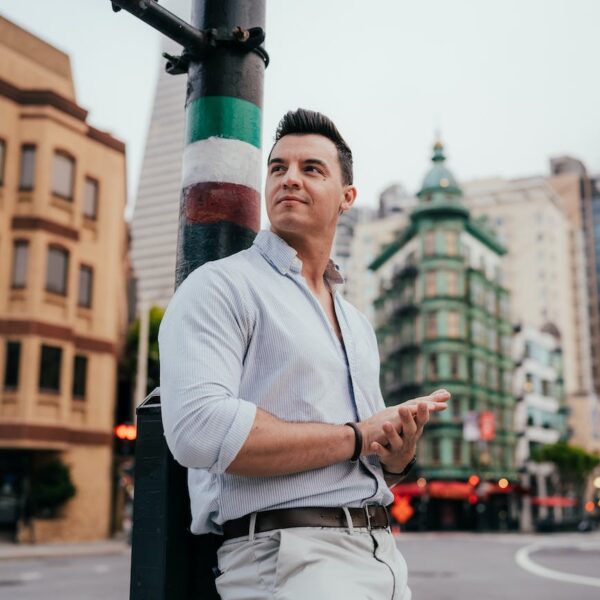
(580, 195)
(361, 235)
(545, 270)
(442, 320)
(344, 236)
(540, 419)
(369, 238)
(63, 289)
(155, 221)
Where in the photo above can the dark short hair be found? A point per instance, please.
(305, 122)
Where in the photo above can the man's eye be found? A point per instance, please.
(313, 168)
(275, 168)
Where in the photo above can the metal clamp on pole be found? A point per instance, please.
(197, 43)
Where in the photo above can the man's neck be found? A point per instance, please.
(314, 252)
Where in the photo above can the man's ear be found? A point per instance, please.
(350, 193)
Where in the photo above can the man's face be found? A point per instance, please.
(304, 190)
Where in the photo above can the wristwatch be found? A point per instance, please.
(404, 472)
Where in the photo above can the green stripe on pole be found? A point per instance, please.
(225, 117)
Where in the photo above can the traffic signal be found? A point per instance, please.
(125, 435)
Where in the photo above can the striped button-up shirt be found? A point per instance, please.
(245, 332)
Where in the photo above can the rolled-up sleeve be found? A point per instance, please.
(202, 342)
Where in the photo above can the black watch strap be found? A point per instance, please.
(404, 472)
(358, 441)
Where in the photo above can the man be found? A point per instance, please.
(270, 396)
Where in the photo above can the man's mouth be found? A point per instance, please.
(289, 198)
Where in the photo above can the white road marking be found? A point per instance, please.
(523, 560)
(101, 569)
(31, 576)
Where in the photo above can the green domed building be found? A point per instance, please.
(442, 321)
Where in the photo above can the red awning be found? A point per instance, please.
(453, 490)
(553, 501)
(494, 488)
(408, 489)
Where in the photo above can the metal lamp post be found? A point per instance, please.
(219, 215)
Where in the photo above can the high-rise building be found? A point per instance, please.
(545, 270)
(63, 292)
(443, 322)
(156, 213)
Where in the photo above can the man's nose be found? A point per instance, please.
(292, 178)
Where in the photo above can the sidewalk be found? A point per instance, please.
(10, 551)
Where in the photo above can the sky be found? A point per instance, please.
(508, 84)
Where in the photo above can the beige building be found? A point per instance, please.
(545, 271)
(369, 238)
(63, 273)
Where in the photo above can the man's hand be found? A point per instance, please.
(373, 429)
(401, 447)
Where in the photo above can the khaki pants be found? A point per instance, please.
(313, 563)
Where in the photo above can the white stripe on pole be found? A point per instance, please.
(222, 160)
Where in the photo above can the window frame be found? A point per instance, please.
(6, 386)
(65, 286)
(22, 186)
(43, 372)
(85, 267)
(75, 387)
(58, 152)
(87, 180)
(2, 160)
(20, 242)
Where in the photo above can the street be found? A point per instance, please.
(441, 567)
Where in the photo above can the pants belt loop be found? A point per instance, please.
(348, 520)
(252, 527)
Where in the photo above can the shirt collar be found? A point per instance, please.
(284, 258)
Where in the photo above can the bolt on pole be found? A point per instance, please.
(219, 215)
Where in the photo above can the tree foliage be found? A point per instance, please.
(51, 487)
(133, 336)
(573, 463)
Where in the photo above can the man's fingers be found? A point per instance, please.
(393, 437)
(380, 450)
(422, 415)
(409, 427)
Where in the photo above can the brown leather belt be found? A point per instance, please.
(370, 516)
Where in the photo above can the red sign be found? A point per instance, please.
(401, 510)
(487, 427)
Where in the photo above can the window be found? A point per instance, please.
(50, 369)
(429, 243)
(27, 167)
(85, 286)
(435, 451)
(63, 172)
(432, 325)
(11, 365)
(19, 270)
(452, 283)
(457, 451)
(432, 367)
(453, 324)
(90, 198)
(79, 376)
(2, 160)
(57, 270)
(454, 368)
(430, 277)
(452, 243)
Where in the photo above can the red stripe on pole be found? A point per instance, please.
(212, 202)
